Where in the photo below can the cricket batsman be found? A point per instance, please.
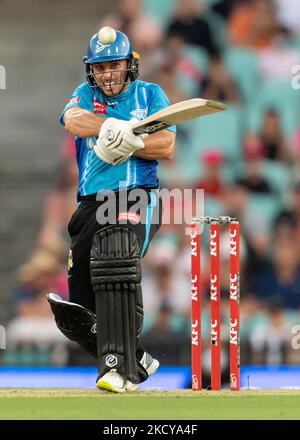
(105, 312)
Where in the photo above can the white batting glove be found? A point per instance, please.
(104, 153)
(117, 136)
(112, 132)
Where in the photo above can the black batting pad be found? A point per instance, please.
(116, 277)
(76, 322)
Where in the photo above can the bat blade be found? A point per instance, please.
(178, 113)
(175, 114)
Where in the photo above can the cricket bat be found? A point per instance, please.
(176, 114)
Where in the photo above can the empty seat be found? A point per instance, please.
(243, 66)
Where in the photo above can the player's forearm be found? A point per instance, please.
(158, 146)
(82, 123)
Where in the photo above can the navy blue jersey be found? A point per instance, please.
(140, 100)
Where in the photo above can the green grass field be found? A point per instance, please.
(58, 404)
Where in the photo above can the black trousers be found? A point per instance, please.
(88, 219)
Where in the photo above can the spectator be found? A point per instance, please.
(33, 323)
(168, 286)
(284, 226)
(219, 85)
(252, 314)
(270, 342)
(147, 39)
(252, 24)
(294, 151)
(271, 136)
(280, 49)
(289, 14)
(253, 179)
(61, 201)
(224, 7)
(281, 277)
(270, 141)
(167, 80)
(40, 275)
(129, 10)
(254, 225)
(179, 68)
(167, 344)
(212, 181)
(291, 217)
(189, 22)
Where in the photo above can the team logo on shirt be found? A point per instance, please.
(139, 113)
(90, 142)
(75, 100)
(99, 107)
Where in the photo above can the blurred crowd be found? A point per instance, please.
(244, 53)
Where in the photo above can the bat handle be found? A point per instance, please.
(137, 131)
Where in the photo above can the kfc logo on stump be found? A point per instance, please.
(195, 382)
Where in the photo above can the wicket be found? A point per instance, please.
(215, 302)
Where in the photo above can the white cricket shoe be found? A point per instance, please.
(149, 363)
(113, 381)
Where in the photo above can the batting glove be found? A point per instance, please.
(117, 136)
(104, 153)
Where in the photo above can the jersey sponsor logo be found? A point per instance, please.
(139, 113)
(129, 216)
(99, 107)
(100, 46)
(90, 142)
(75, 100)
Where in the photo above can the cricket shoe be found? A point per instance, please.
(116, 383)
(113, 381)
(149, 363)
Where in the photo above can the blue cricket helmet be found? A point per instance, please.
(120, 49)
